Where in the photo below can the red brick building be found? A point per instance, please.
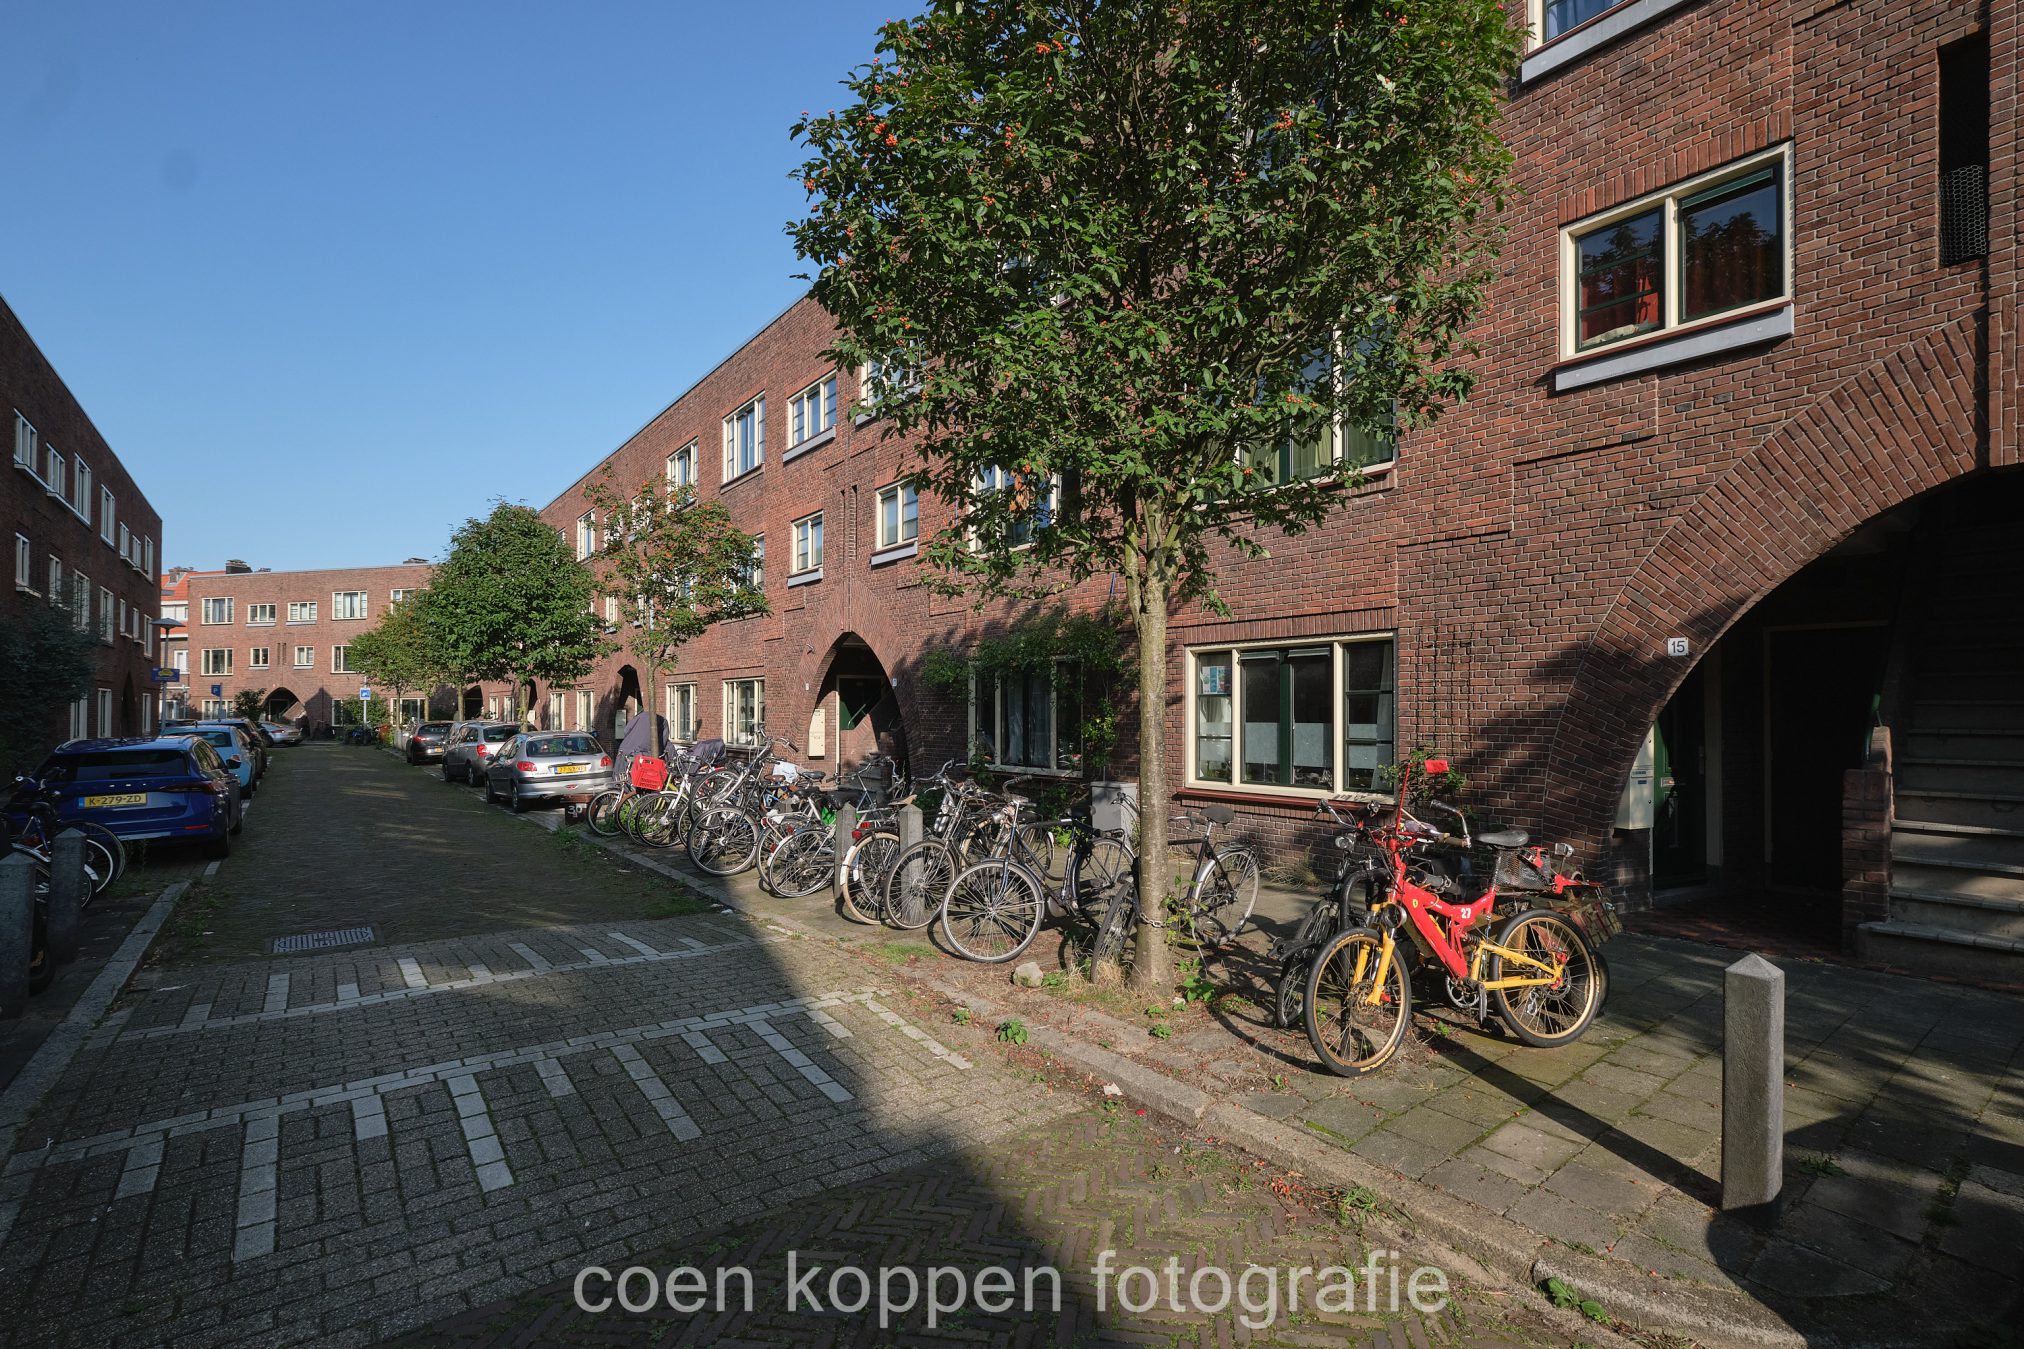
(288, 635)
(1714, 574)
(85, 538)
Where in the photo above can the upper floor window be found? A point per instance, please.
(1707, 247)
(305, 657)
(218, 610)
(24, 563)
(148, 556)
(259, 615)
(682, 466)
(55, 471)
(302, 611)
(879, 381)
(347, 604)
(27, 446)
(808, 543)
(1037, 497)
(755, 570)
(812, 411)
(396, 595)
(340, 660)
(217, 660)
(105, 629)
(899, 515)
(106, 515)
(1551, 18)
(745, 439)
(586, 535)
(80, 490)
(126, 544)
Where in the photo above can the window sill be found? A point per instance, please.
(1279, 796)
(1025, 771)
(863, 418)
(746, 476)
(30, 471)
(1577, 42)
(896, 553)
(1710, 337)
(21, 589)
(814, 442)
(804, 578)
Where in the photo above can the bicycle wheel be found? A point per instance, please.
(1355, 1023)
(1223, 894)
(918, 883)
(1114, 929)
(1289, 995)
(865, 868)
(603, 813)
(804, 862)
(1543, 1015)
(993, 912)
(724, 841)
(1107, 872)
(1038, 850)
(664, 821)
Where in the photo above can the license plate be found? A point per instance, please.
(571, 767)
(122, 799)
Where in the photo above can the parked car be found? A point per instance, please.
(257, 738)
(471, 745)
(232, 747)
(425, 742)
(147, 787)
(547, 765)
(282, 733)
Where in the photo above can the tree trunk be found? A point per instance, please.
(1151, 967)
(653, 681)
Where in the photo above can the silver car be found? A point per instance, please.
(471, 746)
(283, 733)
(539, 765)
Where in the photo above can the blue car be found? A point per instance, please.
(161, 787)
(240, 757)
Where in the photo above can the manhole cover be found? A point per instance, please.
(317, 941)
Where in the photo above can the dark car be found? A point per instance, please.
(146, 787)
(425, 742)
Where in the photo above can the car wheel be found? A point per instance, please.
(517, 803)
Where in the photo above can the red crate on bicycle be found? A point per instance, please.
(648, 773)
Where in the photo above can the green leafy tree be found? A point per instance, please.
(49, 664)
(1123, 264)
(250, 704)
(512, 602)
(676, 565)
(403, 651)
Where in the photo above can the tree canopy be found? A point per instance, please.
(403, 650)
(51, 663)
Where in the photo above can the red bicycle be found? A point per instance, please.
(1541, 973)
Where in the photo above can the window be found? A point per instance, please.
(1320, 450)
(259, 615)
(27, 446)
(181, 660)
(586, 535)
(812, 411)
(80, 491)
(105, 711)
(148, 555)
(340, 660)
(611, 613)
(305, 657)
(347, 604)
(147, 637)
(106, 516)
(1712, 245)
(55, 476)
(24, 564)
(256, 659)
(396, 596)
(126, 545)
(1554, 17)
(745, 439)
(1029, 719)
(682, 723)
(1043, 495)
(217, 660)
(80, 719)
(899, 515)
(80, 594)
(1964, 151)
(682, 466)
(881, 381)
(586, 707)
(302, 611)
(217, 610)
(808, 544)
(123, 618)
(214, 708)
(744, 710)
(1316, 716)
(755, 570)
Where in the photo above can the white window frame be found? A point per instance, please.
(755, 570)
(104, 701)
(898, 493)
(875, 383)
(302, 611)
(807, 557)
(80, 719)
(24, 565)
(586, 535)
(79, 496)
(811, 414)
(982, 486)
(1667, 200)
(148, 554)
(683, 722)
(340, 659)
(305, 658)
(586, 709)
(260, 615)
(27, 447)
(735, 463)
(398, 593)
(108, 512)
(1234, 650)
(215, 662)
(340, 600)
(681, 467)
(996, 713)
(732, 735)
(204, 611)
(259, 657)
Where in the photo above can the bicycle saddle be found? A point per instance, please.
(1218, 814)
(1504, 838)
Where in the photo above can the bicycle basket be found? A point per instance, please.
(1517, 870)
(647, 773)
(1591, 910)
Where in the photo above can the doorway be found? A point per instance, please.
(1680, 787)
(1821, 689)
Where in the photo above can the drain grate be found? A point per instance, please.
(318, 941)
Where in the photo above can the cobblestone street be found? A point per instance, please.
(343, 1145)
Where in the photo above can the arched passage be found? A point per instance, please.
(284, 705)
(855, 709)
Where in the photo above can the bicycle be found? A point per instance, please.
(1540, 972)
(1358, 876)
(993, 908)
(804, 859)
(919, 878)
(1222, 890)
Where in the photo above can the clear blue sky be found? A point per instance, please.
(370, 265)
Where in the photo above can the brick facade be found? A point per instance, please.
(1534, 552)
(107, 583)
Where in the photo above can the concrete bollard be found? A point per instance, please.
(17, 931)
(910, 826)
(1753, 1083)
(844, 826)
(67, 890)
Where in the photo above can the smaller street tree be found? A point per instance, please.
(677, 566)
(512, 602)
(49, 663)
(403, 650)
(250, 704)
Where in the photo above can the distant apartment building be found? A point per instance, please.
(85, 539)
(288, 635)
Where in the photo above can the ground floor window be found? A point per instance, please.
(1030, 718)
(216, 707)
(744, 710)
(586, 707)
(1312, 716)
(682, 722)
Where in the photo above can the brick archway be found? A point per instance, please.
(1902, 427)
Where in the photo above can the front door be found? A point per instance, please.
(1820, 694)
(1680, 788)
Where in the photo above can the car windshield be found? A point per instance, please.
(222, 739)
(494, 734)
(432, 728)
(109, 765)
(561, 744)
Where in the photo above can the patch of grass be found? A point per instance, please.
(1054, 979)
(1355, 1206)
(1566, 1297)
(961, 1016)
(1012, 1032)
(899, 952)
(1821, 1165)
